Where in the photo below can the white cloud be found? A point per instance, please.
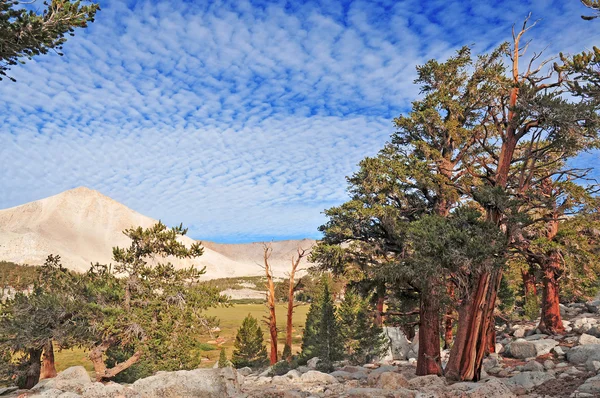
(238, 119)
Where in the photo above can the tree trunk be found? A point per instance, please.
(429, 358)
(33, 372)
(463, 356)
(290, 312)
(379, 305)
(48, 370)
(97, 358)
(529, 286)
(449, 319)
(551, 321)
(271, 306)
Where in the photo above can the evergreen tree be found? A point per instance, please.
(223, 361)
(363, 338)
(30, 323)
(25, 33)
(322, 337)
(249, 349)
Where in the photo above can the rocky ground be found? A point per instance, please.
(528, 364)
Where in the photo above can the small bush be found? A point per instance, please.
(280, 368)
(206, 347)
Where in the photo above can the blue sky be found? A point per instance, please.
(240, 119)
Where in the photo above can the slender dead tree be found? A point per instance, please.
(301, 253)
(271, 319)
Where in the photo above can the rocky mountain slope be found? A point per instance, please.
(82, 226)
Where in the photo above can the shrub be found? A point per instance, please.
(280, 368)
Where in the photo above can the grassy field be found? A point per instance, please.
(230, 320)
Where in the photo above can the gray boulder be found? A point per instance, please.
(586, 339)
(109, 390)
(492, 388)
(72, 380)
(245, 371)
(316, 377)
(593, 306)
(591, 386)
(530, 349)
(190, 383)
(581, 354)
(429, 381)
(533, 366)
(391, 381)
(312, 363)
(529, 380)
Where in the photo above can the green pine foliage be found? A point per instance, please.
(25, 33)
(506, 296)
(50, 313)
(363, 338)
(531, 308)
(249, 349)
(322, 336)
(223, 361)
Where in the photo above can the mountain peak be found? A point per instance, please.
(82, 225)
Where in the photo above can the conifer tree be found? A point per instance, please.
(249, 349)
(223, 361)
(322, 337)
(363, 337)
(25, 33)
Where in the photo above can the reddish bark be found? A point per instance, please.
(429, 359)
(378, 315)
(463, 356)
(550, 320)
(48, 370)
(529, 285)
(290, 308)
(449, 320)
(271, 306)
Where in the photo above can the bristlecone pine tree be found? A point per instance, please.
(322, 337)
(249, 349)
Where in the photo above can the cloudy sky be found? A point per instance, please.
(240, 119)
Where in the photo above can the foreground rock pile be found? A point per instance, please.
(528, 363)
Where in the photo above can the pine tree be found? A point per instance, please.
(363, 337)
(25, 33)
(223, 361)
(322, 337)
(249, 349)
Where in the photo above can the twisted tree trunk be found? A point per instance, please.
(96, 355)
(48, 370)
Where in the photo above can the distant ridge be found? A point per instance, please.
(82, 225)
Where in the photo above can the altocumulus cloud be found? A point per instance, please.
(240, 119)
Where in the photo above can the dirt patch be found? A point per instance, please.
(563, 387)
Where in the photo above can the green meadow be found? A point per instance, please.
(230, 319)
